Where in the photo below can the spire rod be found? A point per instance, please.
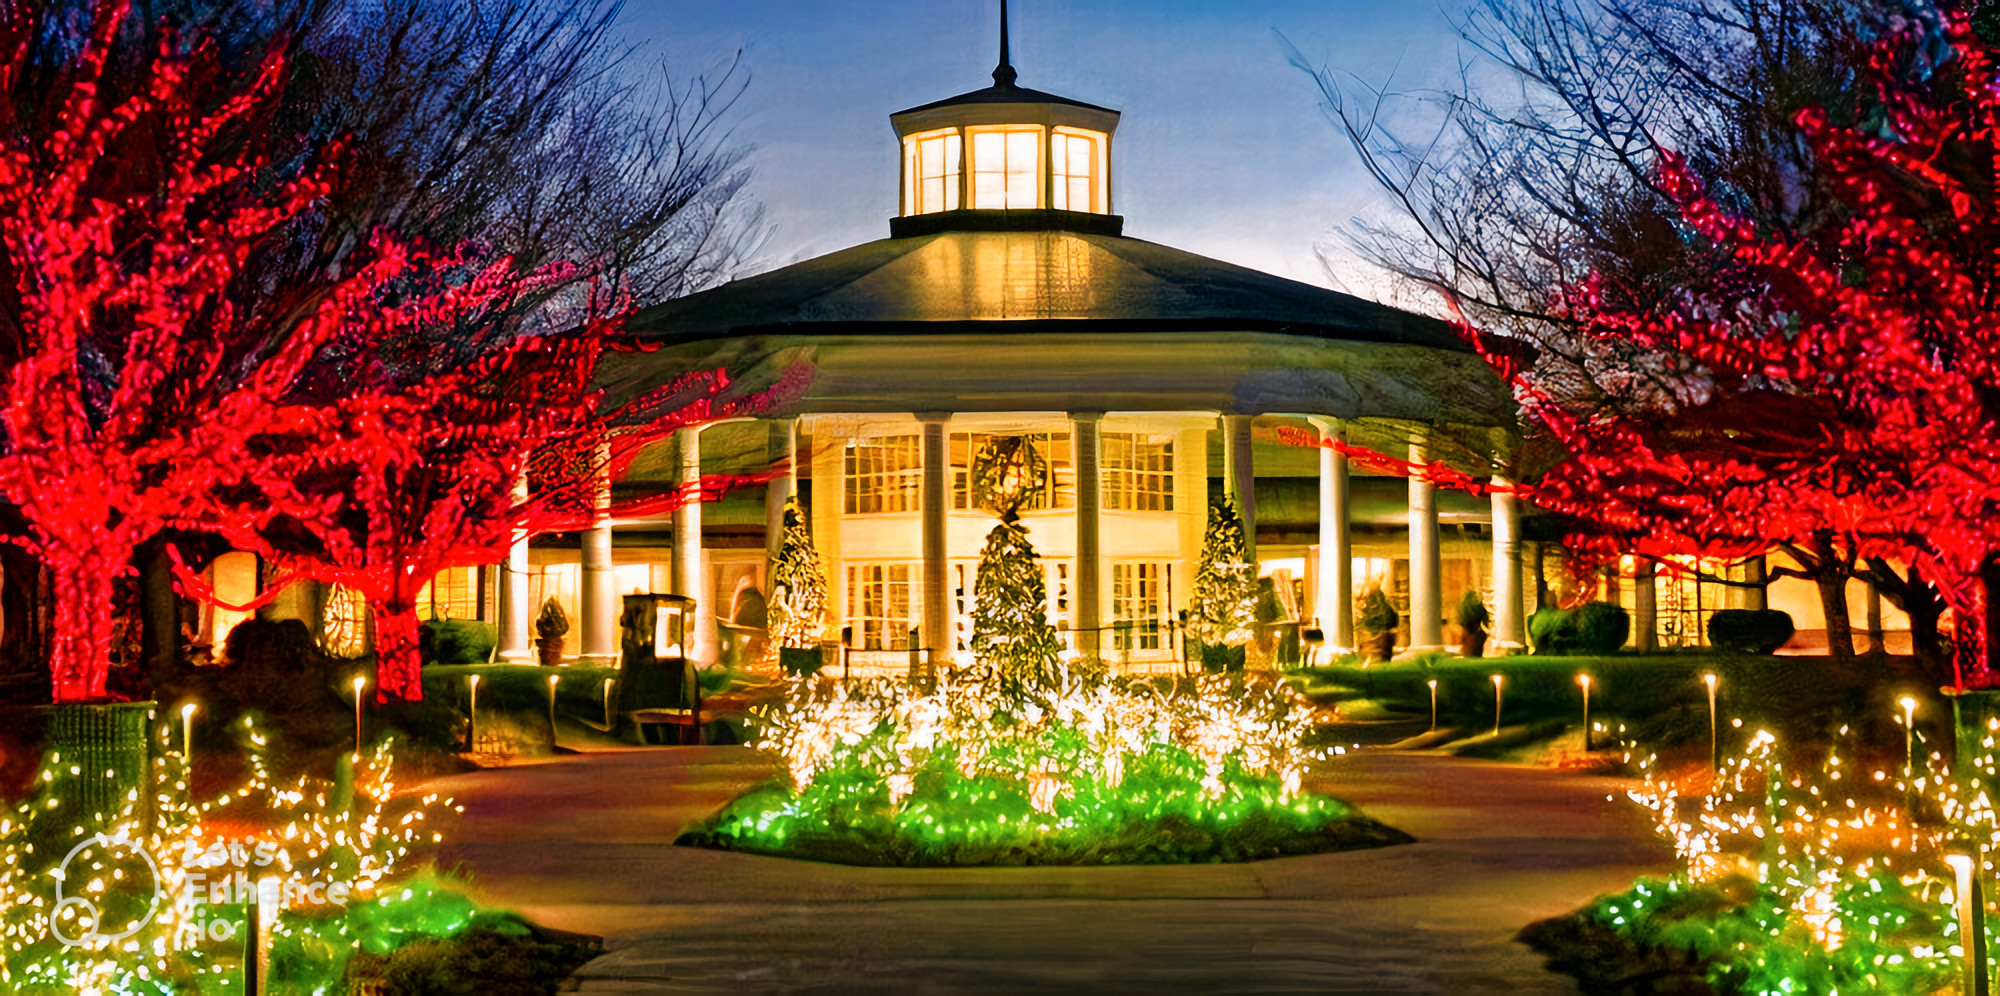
(1003, 74)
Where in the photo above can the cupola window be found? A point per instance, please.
(931, 168)
(1076, 157)
(1006, 168)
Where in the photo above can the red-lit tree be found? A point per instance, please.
(1833, 387)
(403, 473)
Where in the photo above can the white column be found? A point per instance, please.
(1755, 597)
(1089, 545)
(688, 575)
(1426, 597)
(1239, 475)
(936, 501)
(1334, 599)
(599, 608)
(784, 446)
(1507, 594)
(517, 608)
(1645, 607)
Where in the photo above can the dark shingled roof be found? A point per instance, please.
(1003, 93)
(985, 282)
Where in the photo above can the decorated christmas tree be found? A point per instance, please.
(798, 589)
(1222, 612)
(1010, 628)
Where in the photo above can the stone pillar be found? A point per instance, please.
(687, 574)
(1333, 601)
(1755, 596)
(1507, 594)
(1645, 607)
(1426, 594)
(599, 602)
(1239, 476)
(1089, 595)
(936, 504)
(517, 606)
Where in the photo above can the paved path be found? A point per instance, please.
(583, 844)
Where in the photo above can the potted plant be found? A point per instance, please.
(1377, 622)
(1472, 618)
(550, 625)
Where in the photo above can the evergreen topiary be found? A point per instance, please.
(797, 612)
(1011, 633)
(1377, 624)
(1750, 631)
(1596, 629)
(1222, 609)
(1472, 618)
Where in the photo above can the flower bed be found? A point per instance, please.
(1108, 773)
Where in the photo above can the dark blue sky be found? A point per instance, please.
(1222, 150)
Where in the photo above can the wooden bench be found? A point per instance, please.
(687, 722)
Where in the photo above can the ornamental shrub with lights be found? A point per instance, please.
(1807, 876)
(151, 899)
(1222, 609)
(1099, 773)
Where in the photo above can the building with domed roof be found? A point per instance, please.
(1007, 305)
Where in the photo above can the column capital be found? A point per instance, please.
(1086, 416)
(933, 418)
(1327, 424)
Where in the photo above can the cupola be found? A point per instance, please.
(1005, 158)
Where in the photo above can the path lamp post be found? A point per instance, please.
(472, 714)
(1434, 703)
(360, 682)
(553, 680)
(187, 734)
(1714, 741)
(1498, 681)
(1909, 705)
(607, 703)
(1971, 924)
(1584, 680)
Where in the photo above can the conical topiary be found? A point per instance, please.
(798, 588)
(1010, 628)
(1222, 609)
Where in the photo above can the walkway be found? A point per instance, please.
(583, 844)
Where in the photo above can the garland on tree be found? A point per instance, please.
(1010, 628)
(1222, 610)
(798, 587)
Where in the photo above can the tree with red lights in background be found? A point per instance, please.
(151, 380)
(1836, 386)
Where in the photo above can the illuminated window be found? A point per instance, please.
(1077, 159)
(884, 474)
(452, 594)
(1054, 489)
(1139, 604)
(878, 606)
(1006, 168)
(930, 171)
(1138, 471)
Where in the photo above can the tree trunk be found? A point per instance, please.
(159, 611)
(398, 662)
(1919, 600)
(80, 646)
(1833, 603)
(1989, 622)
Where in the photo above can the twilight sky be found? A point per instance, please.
(1222, 150)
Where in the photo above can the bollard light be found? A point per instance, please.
(1971, 925)
(607, 703)
(360, 682)
(553, 679)
(1584, 680)
(187, 734)
(1909, 705)
(1498, 681)
(472, 713)
(1714, 741)
(1434, 703)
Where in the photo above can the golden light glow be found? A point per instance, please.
(1006, 167)
(1078, 170)
(931, 164)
